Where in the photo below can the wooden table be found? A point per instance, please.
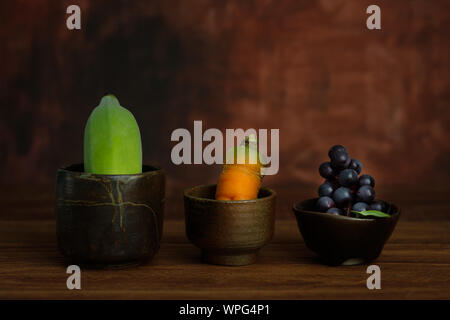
(415, 264)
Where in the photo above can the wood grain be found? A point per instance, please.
(415, 264)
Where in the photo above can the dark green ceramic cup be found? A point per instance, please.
(341, 239)
(229, 232)
(109, 220)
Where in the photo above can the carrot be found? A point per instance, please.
(241, 181)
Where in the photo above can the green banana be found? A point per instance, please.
(112, 141)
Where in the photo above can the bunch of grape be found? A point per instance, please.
(343, 191)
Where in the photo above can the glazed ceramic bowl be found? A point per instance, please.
(341, 239)
(229, 232)
(109, 220)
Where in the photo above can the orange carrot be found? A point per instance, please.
(240, 181)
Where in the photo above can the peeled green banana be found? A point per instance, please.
(112, 140)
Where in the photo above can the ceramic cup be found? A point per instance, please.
(229, 232)
(341, 239)
(109, 220)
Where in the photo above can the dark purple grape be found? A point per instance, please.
(326, 170)
(334, 181)
(366, 180)
(356, 165)
(365, 193)
(360, 206)
(326, 189)
(335, 148)
(348, 178)
(324, 203)
(335, 211)
(340, 160)
(378, 205)
(342, 196)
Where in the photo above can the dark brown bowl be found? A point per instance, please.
(109, 220)
(229, 232)
(341, 239)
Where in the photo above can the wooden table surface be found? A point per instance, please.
(415, 264)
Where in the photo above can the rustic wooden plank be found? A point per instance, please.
(415, 264)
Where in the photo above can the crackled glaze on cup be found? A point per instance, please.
(109, 220)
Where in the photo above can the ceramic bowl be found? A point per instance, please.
(109, 220)
(229, 232)
(341, 239)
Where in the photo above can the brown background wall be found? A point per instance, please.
(309, 68)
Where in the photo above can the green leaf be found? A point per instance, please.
(374, 213)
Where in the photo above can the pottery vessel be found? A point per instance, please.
(109, 220)
(341, 239)
(229, 232)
